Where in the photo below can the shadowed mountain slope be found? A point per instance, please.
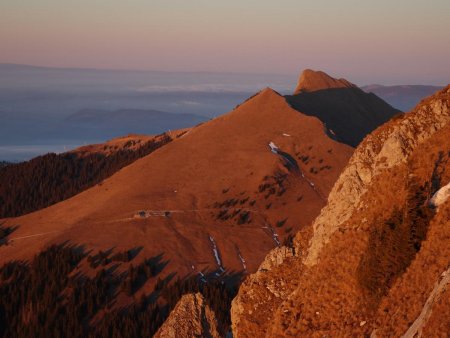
(403, 97)
(348, 112)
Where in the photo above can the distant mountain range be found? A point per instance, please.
(19, 130)
(90, 122)
(403, 97)
(38, 104)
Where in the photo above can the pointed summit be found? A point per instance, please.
(311, 81)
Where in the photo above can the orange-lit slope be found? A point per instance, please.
(222, 162)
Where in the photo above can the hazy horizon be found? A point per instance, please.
(66, 66)
(53, 109)
(290, 84)
(382, 42)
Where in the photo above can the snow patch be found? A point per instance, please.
(243, 262)
(273, 148)
(216, 253)
(273, 234)
(241, 258)
(202, 277)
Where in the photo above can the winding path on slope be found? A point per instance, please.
(34, 235)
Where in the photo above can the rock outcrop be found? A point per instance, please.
(441, 196)
(261, 293)
(385, 148)
(191, 317)
(378, 250)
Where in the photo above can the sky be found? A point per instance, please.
(383, 41)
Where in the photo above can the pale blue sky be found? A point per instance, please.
(365, 41)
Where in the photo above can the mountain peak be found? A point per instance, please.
(268, 91)
(311, 81)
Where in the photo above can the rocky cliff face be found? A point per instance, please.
(191, 317)
(376, 262)
(384, 149)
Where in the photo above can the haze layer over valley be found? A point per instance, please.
(55, 109)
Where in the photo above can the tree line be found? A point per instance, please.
(48, 297)
(51, 178)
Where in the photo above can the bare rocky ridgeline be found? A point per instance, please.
(385, 148)
(328, 289)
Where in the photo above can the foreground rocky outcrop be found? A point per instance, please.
(191, 317)
(386, 148)
(379, 252)
(262, 292)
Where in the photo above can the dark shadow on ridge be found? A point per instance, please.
(349, 113)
